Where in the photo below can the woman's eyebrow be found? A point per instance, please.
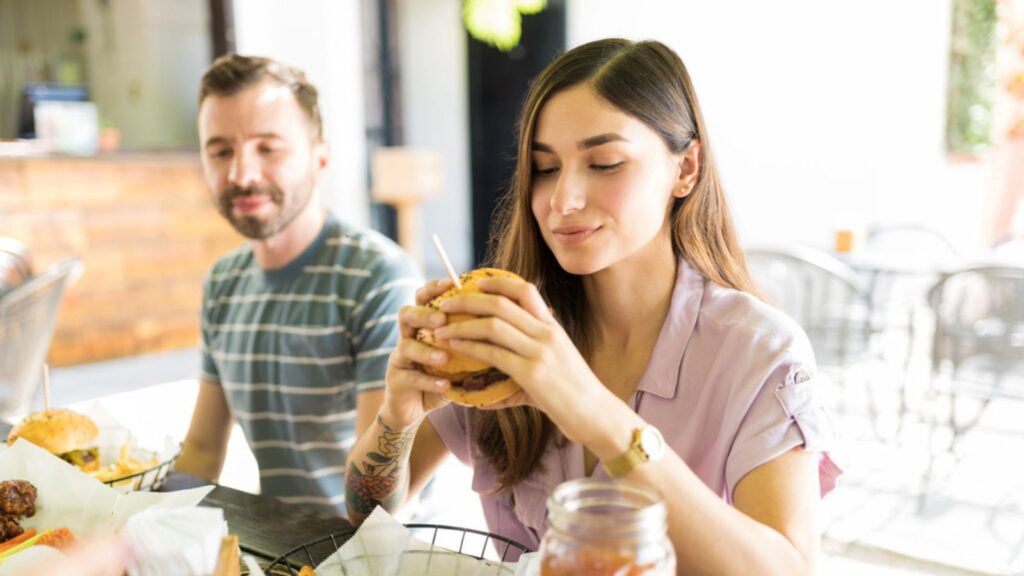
(585, 143)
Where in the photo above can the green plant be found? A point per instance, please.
(972, 77)
(498, 22)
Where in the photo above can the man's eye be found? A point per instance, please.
(605, 167)
(224, 153)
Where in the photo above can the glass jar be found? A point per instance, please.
(606, 527)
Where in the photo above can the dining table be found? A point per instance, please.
(266, 527)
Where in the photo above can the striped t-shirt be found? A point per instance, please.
(293, 347)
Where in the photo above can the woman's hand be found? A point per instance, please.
(411, 393)
(517, 334)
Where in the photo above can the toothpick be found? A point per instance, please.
(46, 387)
(447, 263)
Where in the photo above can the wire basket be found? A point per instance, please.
(28, 314)
(148, 480)
(445, 541)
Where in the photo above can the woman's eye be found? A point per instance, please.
(544, 171)
(606, 167)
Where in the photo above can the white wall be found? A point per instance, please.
(435, 111)
(323, 38)
(822, 114)
(145, 59)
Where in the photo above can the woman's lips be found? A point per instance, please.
(249, 204)
(574, 234)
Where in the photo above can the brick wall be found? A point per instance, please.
(147, 232)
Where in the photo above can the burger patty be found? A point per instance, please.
(81, 458)
(483, 379)
(17, 499)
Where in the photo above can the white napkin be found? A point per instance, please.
(172, 541)
(384, 547)
(68, 497)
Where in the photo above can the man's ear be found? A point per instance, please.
(321, 159)
(689, 170)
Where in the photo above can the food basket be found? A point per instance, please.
(150, 478)
(444, 541)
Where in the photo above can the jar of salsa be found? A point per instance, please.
(606, 528)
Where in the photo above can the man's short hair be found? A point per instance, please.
(232, 73)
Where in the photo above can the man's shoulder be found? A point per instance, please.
(365, 248)
(234, 262)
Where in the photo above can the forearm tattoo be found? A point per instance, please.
(383, 477)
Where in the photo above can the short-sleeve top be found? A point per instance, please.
(293, 348)
(730, 384)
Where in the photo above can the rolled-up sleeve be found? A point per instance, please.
(787, 412)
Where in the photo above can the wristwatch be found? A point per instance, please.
(648, 445)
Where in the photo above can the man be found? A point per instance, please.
(297, 324)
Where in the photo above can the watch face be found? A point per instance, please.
(652, 443)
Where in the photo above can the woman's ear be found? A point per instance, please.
(689, 170)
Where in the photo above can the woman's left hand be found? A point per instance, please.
(517, 334)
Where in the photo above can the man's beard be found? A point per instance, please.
(256, 228)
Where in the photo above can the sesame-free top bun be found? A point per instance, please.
(58, 431)
(459, 366)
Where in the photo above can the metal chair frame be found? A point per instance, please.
(981, 331)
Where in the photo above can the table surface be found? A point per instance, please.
(266, 527)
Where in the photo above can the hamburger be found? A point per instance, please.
(474, 383)
(66, 434)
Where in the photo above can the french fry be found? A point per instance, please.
(306, 571)
(17, 540)
(227, 562)
(126, 465)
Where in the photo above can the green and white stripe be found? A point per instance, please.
(293, 348)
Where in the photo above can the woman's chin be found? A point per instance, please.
(579, 266)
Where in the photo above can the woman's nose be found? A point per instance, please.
(569, 195)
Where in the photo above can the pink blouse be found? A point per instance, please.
(730, 385)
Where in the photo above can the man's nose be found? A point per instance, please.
(245, 170)
(569, 195)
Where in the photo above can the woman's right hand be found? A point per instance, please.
(411, 393)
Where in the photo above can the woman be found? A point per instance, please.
(617, 219)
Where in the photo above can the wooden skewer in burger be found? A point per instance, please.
(68, 435)
(474, 382)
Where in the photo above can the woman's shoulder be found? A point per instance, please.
(749, 322)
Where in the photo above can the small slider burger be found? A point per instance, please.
(67, 434)
(474, 383)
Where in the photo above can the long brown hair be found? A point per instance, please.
(648, 81)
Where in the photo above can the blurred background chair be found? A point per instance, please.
(28, 313)
(899, 263)
(977, 351)
(827, 299)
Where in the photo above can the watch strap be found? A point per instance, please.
(627, 461)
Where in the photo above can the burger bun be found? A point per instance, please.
(58, 431)
(459, 366)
